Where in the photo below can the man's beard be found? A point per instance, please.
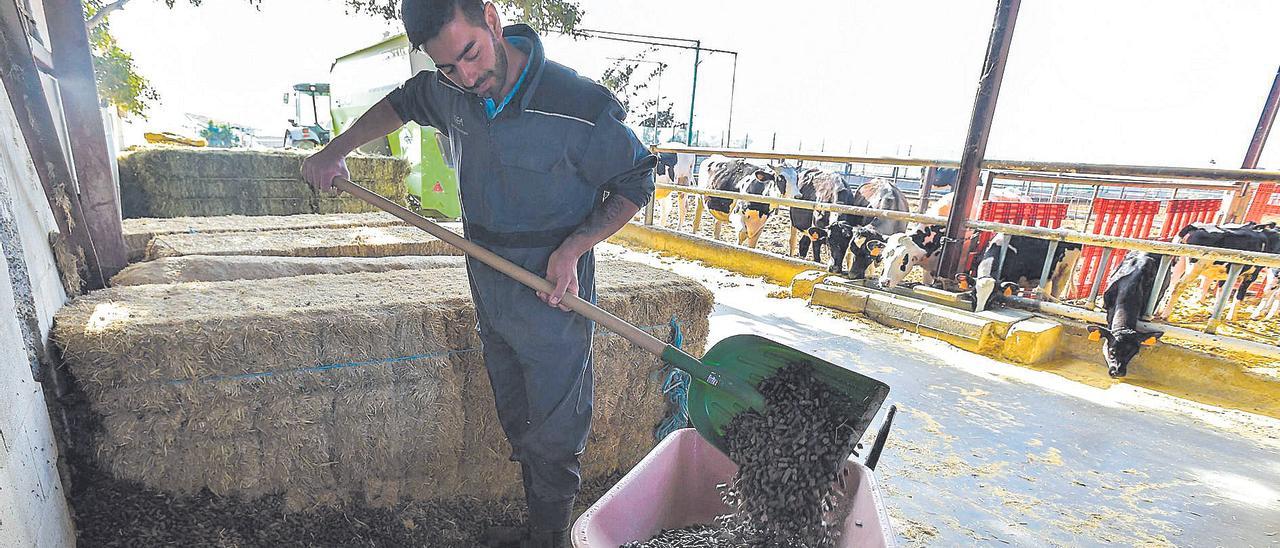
(495, 79)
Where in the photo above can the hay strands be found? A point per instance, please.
(726, 378)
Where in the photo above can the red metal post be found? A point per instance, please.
(1260, 133)
(975, 146)
(90, 154)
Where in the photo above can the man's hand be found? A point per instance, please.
(562, 270)
(321, 168)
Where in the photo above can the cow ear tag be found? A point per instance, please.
(1008, 291)
(1151, 341)
(875, 251)
(1095, 335)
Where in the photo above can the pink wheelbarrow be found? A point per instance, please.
(675, 486)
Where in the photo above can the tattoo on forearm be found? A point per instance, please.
(606, 219)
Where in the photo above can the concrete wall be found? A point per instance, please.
(33, 509)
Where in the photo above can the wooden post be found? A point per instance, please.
(26, 94)
(975, 146)
(90, 154)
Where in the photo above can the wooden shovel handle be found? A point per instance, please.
(592, 312)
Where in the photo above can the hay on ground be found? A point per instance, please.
(139, 232)
(161, 181)
(315, 242)
(329, 388)
(225, 268)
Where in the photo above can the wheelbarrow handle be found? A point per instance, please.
(592, 312)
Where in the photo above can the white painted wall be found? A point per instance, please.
(33, 508)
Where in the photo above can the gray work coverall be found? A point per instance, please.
(528, 178)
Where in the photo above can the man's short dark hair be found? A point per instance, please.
(423, 19)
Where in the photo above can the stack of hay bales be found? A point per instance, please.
(362, 241)
(139, 232)
(166, 181)
(332, 388)
(224, 268)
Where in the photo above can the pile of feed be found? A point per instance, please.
(789, 460)
(328, 389)
(225, 268)
(139, 232)
(169, 181)
(365, 241)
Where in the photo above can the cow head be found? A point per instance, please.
(904, 250)
(788, 178)
(864, 243)
(1120, 346)
(749, 217)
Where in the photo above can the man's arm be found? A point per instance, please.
(322, 167)
(415, 100)
(621, 165)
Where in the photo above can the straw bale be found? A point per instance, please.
(332, 388)
(139, 232)
(315, 242)
(181, 181)
(165, 206)
(222, 268)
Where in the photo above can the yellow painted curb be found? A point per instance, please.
(776, 269)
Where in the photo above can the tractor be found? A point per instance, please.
(307, 133)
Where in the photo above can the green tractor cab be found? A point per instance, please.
(303, 132)
(362, 78)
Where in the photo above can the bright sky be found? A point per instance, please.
(1174, 82)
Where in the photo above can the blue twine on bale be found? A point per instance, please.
(380, 361)
(676, 388)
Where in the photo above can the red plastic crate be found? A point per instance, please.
(1124, 218)
(1265, 203)
(1184, 212)
(1039, 214)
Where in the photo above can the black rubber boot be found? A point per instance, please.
(550, 523)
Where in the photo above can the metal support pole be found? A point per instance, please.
(733, 82)
(648, 212)
(1266, 120)
(1232, 274)
(990, 184)
(926, 186)
(975, 146)
(1098, 275)
(1004, 251)
(1048, 266)
(1158, 288)
(1092, 199)
(1057, 187)
(693, 96)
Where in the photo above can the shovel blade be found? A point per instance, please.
(751, 359)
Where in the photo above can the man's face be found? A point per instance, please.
(471, 55)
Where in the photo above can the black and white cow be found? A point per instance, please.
(1244, 237)
(1270, 303)
(902, 251)
(816, 226)
(1023, 264)
(674, 168)
(722, 173)
(1128, 292)
(864, 245)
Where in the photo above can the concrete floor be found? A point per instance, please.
(988, 453)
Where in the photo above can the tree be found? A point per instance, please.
(630, 87)
(120, 84)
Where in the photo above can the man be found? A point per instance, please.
(547, 170)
